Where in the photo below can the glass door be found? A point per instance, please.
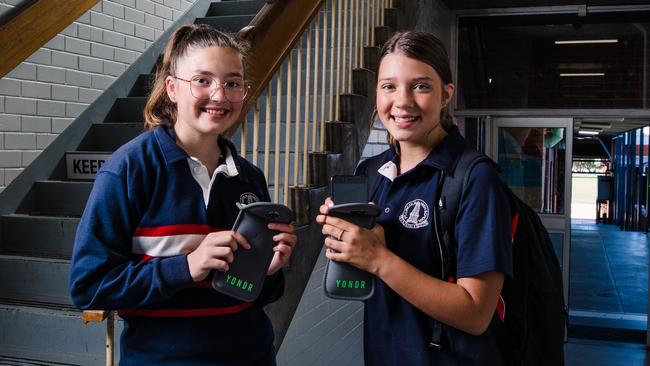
(534, 155)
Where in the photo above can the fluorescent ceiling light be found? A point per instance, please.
(570, 74)
(588, 132)
(603, 120)
(595, 125)
(587, 41)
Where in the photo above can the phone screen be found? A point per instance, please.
(349, 189)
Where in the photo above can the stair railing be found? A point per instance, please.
(293, 128)
(19, 38)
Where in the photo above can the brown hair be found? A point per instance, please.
(425, 47)
(159, 107)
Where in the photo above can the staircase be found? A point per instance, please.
(38, 323)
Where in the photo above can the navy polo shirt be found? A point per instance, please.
(396, 332)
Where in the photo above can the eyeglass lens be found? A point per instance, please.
(204, 87)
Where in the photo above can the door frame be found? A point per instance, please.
(554, 223)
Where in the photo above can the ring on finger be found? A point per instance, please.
(340, 238)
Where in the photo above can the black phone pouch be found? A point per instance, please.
(342, 280)
(246, 274)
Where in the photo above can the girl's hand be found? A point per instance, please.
(362, 248)
(286, 240)
(215, 252)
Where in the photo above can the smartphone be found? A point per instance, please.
(349, 189)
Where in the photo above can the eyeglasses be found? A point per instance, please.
(204, 87)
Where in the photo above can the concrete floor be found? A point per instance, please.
(609, 269)
(608, 294)
(581, 352)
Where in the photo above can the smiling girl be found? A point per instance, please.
(157, 221)
(416, 291)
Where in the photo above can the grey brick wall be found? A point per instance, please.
(376, 141)
(42, 95)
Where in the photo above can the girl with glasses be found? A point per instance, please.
(157, 222)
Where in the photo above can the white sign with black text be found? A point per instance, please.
(84, 165)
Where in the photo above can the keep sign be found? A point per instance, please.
(82, 165)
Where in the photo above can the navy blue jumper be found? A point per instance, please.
(396, 332)
(146, 212)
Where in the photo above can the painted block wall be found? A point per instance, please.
(323, 331)
(43, 95)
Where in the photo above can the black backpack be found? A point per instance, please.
(531, 311)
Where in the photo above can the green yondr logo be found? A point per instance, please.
(239, 283)
(350, 284)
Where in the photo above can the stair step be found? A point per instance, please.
(54, 237)
(363, 82)
(235, 8)
(107, 137)
(391, 16)
(35, 279)
(19, 361)
(382, 34)
(228, 23)
(56, 198)
(142, 86)
(44, 336)
(128, 109)
(37, 304)
(371, 58)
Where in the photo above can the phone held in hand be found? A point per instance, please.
(246, 274)
(349, 189)
(350, 196)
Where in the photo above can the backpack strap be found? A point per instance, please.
(452, 187)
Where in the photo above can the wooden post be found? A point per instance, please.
(98, 316)
(110, 330)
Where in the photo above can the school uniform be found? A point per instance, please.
(396, 332)
(151, 205)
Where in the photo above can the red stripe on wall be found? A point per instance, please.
(186, 313)
(169, 230)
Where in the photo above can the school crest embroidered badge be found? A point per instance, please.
(248, 198)
(415, 214)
